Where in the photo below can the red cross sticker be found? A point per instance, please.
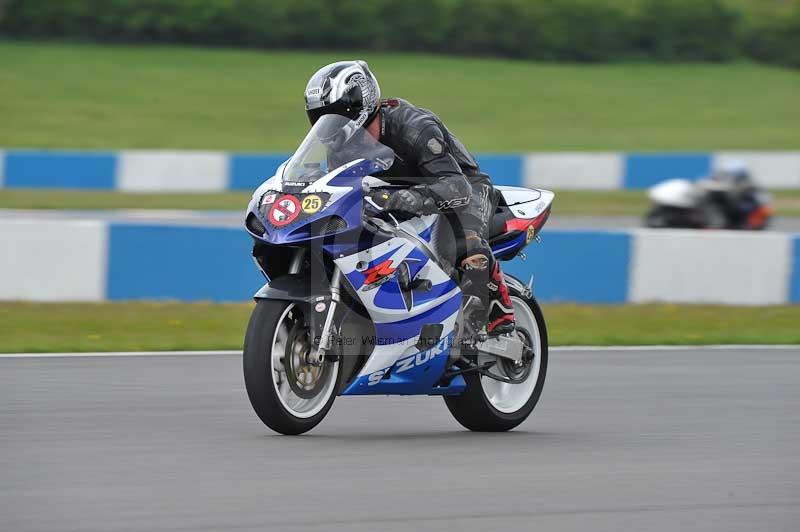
(284, 211)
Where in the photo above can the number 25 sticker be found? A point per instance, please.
(312, 204)
(531, 234)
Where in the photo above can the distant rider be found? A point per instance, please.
(741, 195)
(442, 175)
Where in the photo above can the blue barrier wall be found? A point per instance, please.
(108, 261)
(577, 266)
(47, 169)
(643, 170)
(198, 263)
(503, 169)
(247, 171)
(186, 263)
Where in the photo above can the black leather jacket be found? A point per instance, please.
(428, 155)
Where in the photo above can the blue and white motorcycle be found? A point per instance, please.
(360, 303)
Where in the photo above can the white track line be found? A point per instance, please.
(715, 347)
(578, 348)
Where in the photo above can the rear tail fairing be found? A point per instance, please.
(522, 213)
(676, 193)
(510, 247)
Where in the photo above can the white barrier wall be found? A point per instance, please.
(771, 170)
(61, 260)
(574, 170)
(145, 171)
(53, 260)
(726, 267)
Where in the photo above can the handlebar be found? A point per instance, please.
(376, 197)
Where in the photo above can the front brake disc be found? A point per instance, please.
(304, 379)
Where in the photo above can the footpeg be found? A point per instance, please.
(505, 328)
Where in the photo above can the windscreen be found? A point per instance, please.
(333, 141)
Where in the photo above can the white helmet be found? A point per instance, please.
(345, 88)
(733, 171)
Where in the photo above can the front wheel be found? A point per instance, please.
(289, 394)
(489, 405)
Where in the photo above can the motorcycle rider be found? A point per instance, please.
(733, 178)
(443, 177)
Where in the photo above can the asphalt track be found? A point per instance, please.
(235, 219)
(621, 440)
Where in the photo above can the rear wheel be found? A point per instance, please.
(490, 405)
(289, 394)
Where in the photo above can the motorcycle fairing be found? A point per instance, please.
(413, 373)
(341, 187)
(525, 203)
(398, 319)
(510, 248)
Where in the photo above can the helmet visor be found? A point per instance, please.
(339, 107)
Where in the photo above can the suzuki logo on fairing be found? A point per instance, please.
(410, 362)
(379, 274)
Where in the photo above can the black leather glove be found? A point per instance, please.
(408, 203)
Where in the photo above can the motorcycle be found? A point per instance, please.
(357, 302)
(707, 204)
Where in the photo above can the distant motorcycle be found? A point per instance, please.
(708, 204)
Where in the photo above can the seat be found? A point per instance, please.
(497, 226)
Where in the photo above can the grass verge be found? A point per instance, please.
(568, 202)
(105, 200)
(58, 95)
(636, 203)
(144, 326)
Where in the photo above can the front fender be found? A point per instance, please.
(301, 289)
(293, 287)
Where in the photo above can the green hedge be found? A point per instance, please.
(571, 30)
(775, 38)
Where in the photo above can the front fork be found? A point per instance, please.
(326, 337)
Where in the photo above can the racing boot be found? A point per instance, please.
(486, 282)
